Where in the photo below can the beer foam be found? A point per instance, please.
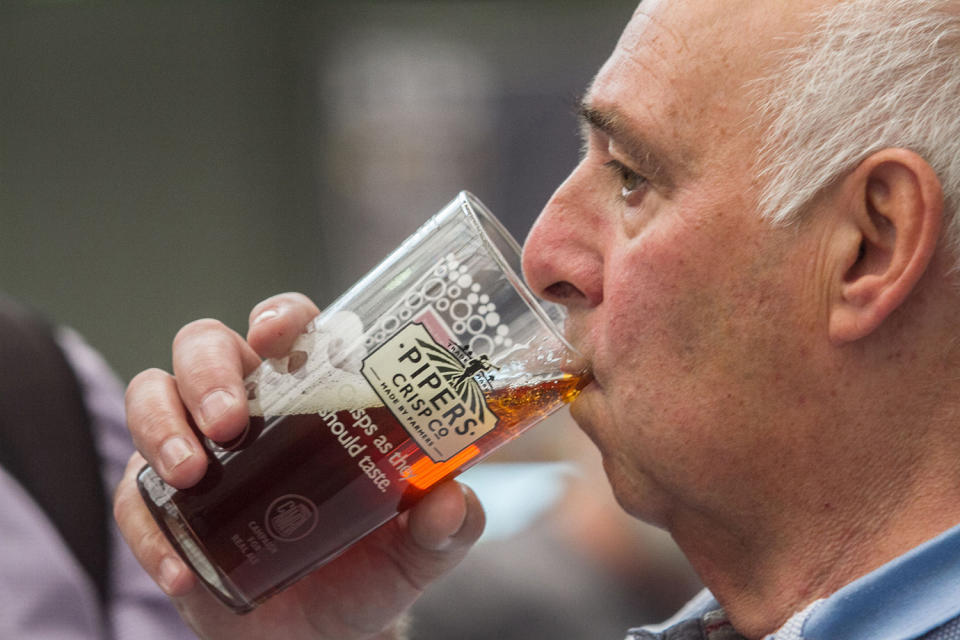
(334, 390)
(321, 373)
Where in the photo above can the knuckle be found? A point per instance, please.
(205, 361)
(286, 296)
(153, 424)
(144, 382)
(151, 546)
(151, 415)
(149, 407)
(121, 501)
(295, 297)
(144, 538)
(290, 299)
(304, 302)
(207, 375)
(202, 327)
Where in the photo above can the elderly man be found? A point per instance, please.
(758, 254)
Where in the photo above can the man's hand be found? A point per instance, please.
(362, 593)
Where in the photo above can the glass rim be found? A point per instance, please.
(474, 210)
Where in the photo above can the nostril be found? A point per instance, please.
(562, 291)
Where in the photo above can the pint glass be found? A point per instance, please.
(433, 360)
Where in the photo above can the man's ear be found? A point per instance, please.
(892, 221)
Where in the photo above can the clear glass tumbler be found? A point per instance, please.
(433, 360)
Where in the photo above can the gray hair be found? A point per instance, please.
(874, 74)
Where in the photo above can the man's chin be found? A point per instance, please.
(581, 410)
(636, 497)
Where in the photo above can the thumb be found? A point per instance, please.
(442, 528)
(378, 579)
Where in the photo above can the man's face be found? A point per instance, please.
(700, 321)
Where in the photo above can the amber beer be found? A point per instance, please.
(293, 495)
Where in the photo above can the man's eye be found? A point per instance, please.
(631, 182)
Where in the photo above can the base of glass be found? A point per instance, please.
(189, 548)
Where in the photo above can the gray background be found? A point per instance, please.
(165, 161)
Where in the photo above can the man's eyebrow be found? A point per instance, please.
(651, 162)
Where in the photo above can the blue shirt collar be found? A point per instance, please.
(906, 598)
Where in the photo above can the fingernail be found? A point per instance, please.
(447, 542)
(170, 568)
(174, 452)
(215, 404)
(266, 315)
(443, 545)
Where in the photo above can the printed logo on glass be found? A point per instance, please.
(436, 393)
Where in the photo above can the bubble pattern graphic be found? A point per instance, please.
(458, 297)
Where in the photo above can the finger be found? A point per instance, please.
(276, 322)
(364, 590)
(143, 536)
(449, 519)
(161, 430)
(209, 364)
(435, 535)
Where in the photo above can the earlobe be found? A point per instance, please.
(893, 225)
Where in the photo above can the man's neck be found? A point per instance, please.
(765, 573)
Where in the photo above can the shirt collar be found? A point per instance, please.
(905, 598)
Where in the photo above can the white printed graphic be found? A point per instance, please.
(452, 291)
(291, 517)
(434, 392)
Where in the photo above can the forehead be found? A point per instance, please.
(681, 67)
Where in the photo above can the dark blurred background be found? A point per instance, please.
(165, 161)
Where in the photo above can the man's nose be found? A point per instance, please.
(562, 258)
